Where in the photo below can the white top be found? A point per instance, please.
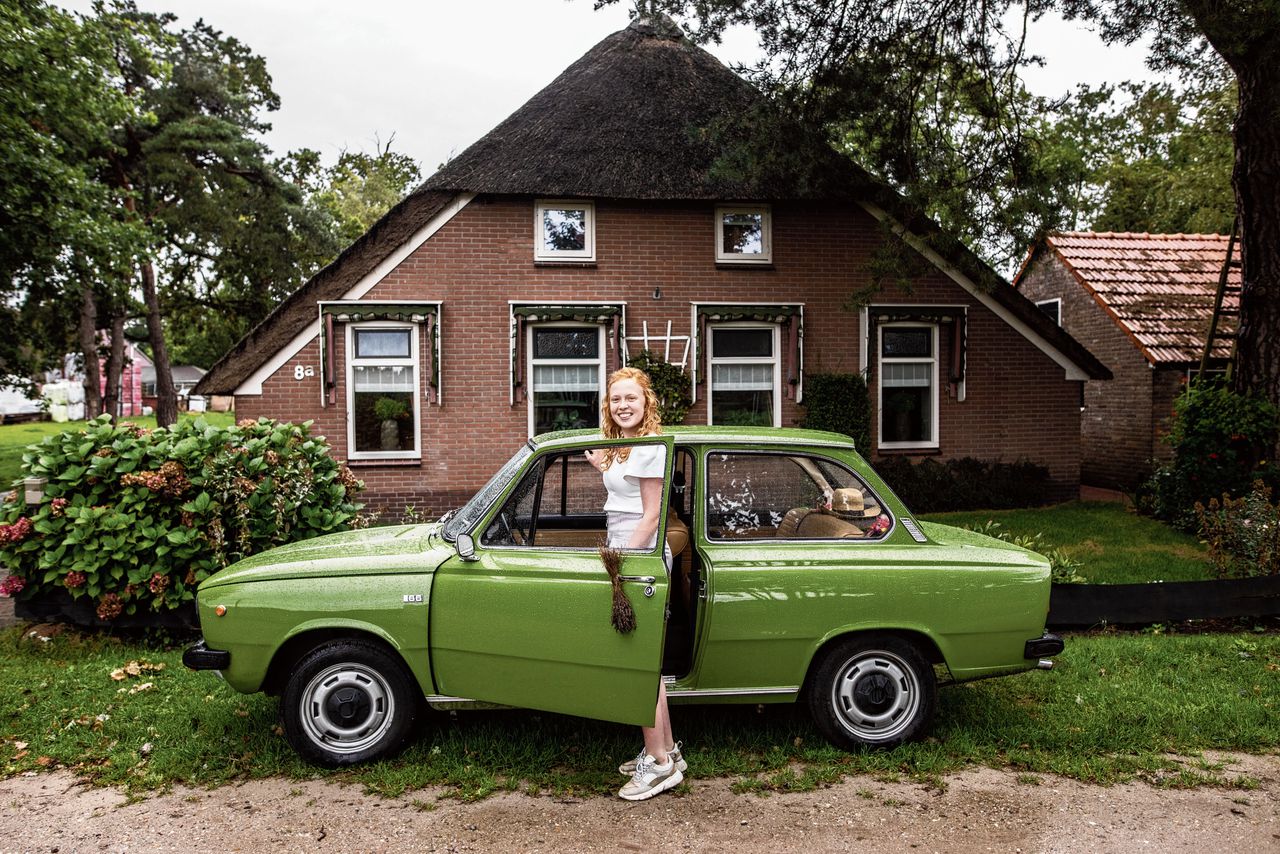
(622, 478)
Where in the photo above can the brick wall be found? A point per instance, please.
(1117, 426)
(1019, 404)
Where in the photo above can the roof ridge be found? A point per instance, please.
(1138, 235)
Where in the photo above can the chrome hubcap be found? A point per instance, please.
(347, 708)
(876, 696)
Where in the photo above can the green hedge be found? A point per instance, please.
(839, 403)
(964, 484)
(135, 519)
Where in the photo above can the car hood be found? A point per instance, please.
(946, 535)
(371, 551)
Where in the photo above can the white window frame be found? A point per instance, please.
(914, 360)
(1058, 311)
(775, 360)
(540, 253)
(601, 359)
(414, 361)
(766, 235)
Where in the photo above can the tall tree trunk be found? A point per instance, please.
(1257, 184)
(89, 352)
(1247, 37)
(115, 364)
(166, 394)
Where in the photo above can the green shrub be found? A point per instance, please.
(1062, 567)
(135, 518)
(1222, 442)
(1243, 534)
(964, 484)
(670, 383)
(839, 403)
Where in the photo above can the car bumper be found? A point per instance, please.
(200, 657)
(1046, 644)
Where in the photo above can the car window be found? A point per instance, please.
(789, 497)
(474, 509)
(558, 503)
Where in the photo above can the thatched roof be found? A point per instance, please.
(645, 114)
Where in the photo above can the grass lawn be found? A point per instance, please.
(1113, 545)
(14, 438)
(1117, 707)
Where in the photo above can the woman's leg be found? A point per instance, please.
(657, 738)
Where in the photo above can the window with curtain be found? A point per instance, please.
(908, 386)
(382, 391)
(745, 375)
(566, 369)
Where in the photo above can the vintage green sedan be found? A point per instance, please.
(794, 574)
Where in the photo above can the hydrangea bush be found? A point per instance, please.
(135, 519)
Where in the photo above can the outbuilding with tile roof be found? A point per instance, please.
(1142, 304)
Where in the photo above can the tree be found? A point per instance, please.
(1169, 167)
(887, 61)
(361, 187)
(60, 226)
(190, 159)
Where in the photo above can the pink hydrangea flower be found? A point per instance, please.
(16, 532)
(12, 585)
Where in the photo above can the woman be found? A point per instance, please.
(633, 478)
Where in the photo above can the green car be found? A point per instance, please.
(793, 573)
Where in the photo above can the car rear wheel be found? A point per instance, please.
(872, 691)
(348, 701)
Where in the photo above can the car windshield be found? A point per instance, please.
(474, 509)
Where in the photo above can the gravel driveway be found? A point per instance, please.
(980, 810)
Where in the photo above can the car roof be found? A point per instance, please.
(699, 434)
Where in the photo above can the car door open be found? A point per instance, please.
(527, 621)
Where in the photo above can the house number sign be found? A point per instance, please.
(303, 372)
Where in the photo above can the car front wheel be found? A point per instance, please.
(348, 701)
(875, 691)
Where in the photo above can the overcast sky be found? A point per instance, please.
(438, 74)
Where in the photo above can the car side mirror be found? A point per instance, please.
(467, 547)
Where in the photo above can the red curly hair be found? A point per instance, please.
(650, 425)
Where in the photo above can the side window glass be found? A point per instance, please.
(573, 494)
(514, 524)
(789, 497)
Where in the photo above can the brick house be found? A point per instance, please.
(1141, 303)
(635, 202)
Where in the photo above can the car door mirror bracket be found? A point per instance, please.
(466, 548)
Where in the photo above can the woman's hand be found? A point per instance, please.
(595, 456)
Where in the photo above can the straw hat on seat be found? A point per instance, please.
(852, 504)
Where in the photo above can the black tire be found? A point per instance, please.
(349, 701)
(872, 691)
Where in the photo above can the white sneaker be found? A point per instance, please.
(651, 779)
(628, 768)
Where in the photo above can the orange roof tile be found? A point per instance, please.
(1159, 287)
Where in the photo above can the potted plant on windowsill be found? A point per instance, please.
(390, 412)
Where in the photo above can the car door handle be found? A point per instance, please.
(643, 579)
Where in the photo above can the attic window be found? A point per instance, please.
(564, 231)
(1052, 309)
(743, 235)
